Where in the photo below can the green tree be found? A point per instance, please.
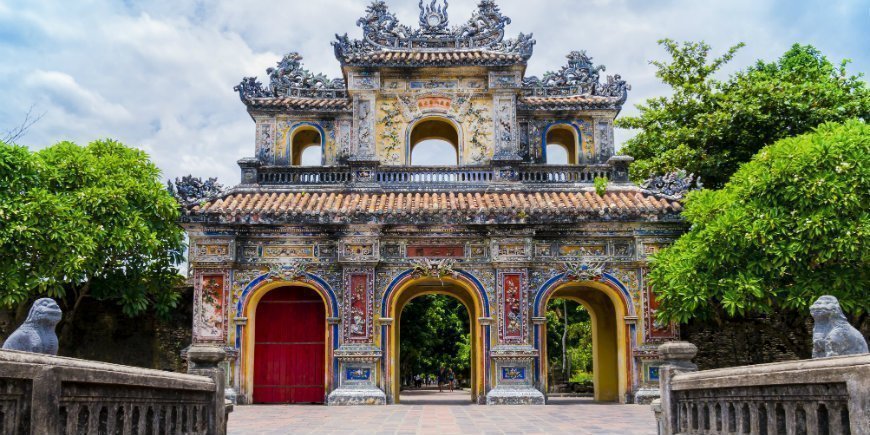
(709, 127)
(435, 333)
(792, 224)
(87, 222)
(569, 340)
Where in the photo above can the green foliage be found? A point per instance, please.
(584, 378)
(791, 225)
(709, 127)
(92, 221)
(578, 338)
(600, 184)
(435, 333)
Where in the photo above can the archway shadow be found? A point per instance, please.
(434, 397)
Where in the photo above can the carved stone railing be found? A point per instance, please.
(426, 176)
(434, 174)
(42, 394)
(564, 174)
(303, 175)
(818, 396)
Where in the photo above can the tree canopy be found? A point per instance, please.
(93, 221)
(709, 127)
(435, 333)
(791, 225)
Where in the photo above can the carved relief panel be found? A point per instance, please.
(505, 127)
(358, 304)
(265, 141)
(654, 330)
(512, 305)
(212, 250)
(211, 289)
(359, 250)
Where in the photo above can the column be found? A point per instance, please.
(358, 356)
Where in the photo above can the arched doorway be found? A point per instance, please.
(561, 145)
(610, 360)
(435, 335)
(434, 141)
(448, 286)
(306, 147)
(286, 344)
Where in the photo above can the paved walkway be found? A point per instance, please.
(430, 412)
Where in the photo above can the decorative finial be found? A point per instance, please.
(433, 19)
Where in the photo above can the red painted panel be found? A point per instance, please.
(290, 340)
(429, 251)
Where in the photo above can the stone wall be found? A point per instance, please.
(738, 342)
(103, 333)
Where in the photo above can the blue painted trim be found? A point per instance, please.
(577, 145)
(289, 144)
(394, 283)
(606, 277)
(256, 281)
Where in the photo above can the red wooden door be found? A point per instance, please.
(289, 347)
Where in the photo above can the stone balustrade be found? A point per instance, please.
(818, 396)
(423, 176)
(44, 394)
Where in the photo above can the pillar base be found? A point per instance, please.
(356, 396)
(645, 396)
(514, 395)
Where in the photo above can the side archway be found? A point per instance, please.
(247, 308)
(608, 304)
(462, 286)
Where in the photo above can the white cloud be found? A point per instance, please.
(159, 74)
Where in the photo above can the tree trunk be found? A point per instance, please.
(566, 370)
(67, 325)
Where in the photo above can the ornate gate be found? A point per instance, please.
(290, 347)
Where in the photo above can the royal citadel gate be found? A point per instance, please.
(302, 271)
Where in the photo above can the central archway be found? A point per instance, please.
(410, 288)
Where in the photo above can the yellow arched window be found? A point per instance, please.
(561, 145)
(434, 141)
(306, 147)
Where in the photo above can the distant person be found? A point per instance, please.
(451, 379)
(442, 379)
(418, 381)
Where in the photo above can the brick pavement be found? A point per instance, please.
(445, 414)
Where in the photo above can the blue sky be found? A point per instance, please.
(159, 74)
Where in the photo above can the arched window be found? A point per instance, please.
(305, 147)
(434, 142)
(561, 145)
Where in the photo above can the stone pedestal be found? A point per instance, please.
(206, 360)
(646, 395)
(514, 372)
(357, 383)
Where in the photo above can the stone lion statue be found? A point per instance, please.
(832, 333)
(37, 334)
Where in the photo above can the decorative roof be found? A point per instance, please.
(306, 104)
(454, 207)
(290, 79)
(580, 78)
(572, 102)
(436, 58)
(480, 41)
(483, 32)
